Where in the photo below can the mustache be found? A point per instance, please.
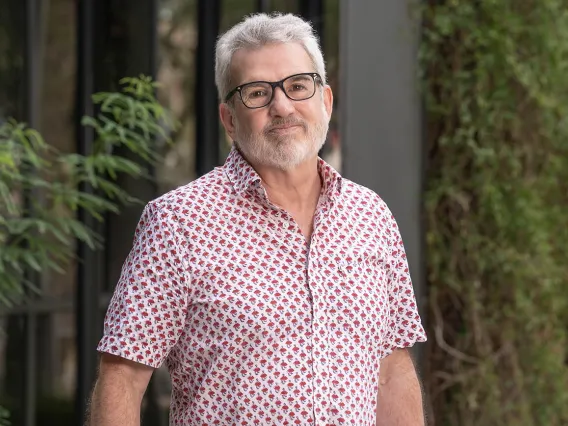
(284, 122)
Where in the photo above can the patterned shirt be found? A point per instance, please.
(255, 325)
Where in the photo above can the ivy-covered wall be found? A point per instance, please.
(495, 75)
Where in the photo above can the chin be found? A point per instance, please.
(292, 155)
(283, 153)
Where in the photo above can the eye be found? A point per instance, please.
(259, 93)
(297, 87)
(255, 92)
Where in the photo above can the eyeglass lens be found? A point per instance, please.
(259, 94)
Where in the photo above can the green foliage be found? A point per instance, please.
(50, 410)
(497, 102)
(41, 190)
(4, 416)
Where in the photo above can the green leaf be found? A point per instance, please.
(32, 261)
(38, 235)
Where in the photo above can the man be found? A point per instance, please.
(276, 291)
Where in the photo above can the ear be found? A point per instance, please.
(227, 119)
(328, 100)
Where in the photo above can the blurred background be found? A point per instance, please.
(453, 111)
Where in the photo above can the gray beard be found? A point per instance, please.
(284, 153)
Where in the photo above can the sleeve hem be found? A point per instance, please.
(128, 352)
(402, 345)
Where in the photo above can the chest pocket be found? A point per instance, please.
(358, 298)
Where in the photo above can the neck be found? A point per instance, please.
(295, 189)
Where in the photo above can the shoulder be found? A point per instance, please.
(364, 200)
(368, 210)
(202, 191)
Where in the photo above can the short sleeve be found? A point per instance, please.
(405, 326)
(147, 311)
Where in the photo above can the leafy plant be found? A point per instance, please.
(4, 416)
(496, 92)
(41, 189)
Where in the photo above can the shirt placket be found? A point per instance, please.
(294, 237)
(321, 360)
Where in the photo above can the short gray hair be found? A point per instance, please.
(258, 30)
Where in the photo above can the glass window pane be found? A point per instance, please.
(284, 6)
(12, 75)
(55, 53)
(233, 11)
(332, 148)
(177, 36)
(56, 361)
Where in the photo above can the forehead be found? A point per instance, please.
(271, 63)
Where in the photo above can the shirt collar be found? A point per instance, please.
(243, 176)
(331, 179)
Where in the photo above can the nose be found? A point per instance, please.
(281, 105)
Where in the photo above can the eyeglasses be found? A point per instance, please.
(258, 94)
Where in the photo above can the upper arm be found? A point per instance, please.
(114, 369)
(398, 363)
(399, 397)
(404, 326)
(146, 314)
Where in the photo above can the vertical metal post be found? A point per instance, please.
(87, 299)
(32, 102)
(30, 384)
(263, 6)
(206, 112)
(33, 58)
(312, 10)
(14, 99)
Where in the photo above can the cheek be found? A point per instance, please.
(315, 114)
(251, 123)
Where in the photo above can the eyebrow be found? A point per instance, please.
(263, 79)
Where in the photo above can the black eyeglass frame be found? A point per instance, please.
(274, 84)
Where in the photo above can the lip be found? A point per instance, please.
(282, 128)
